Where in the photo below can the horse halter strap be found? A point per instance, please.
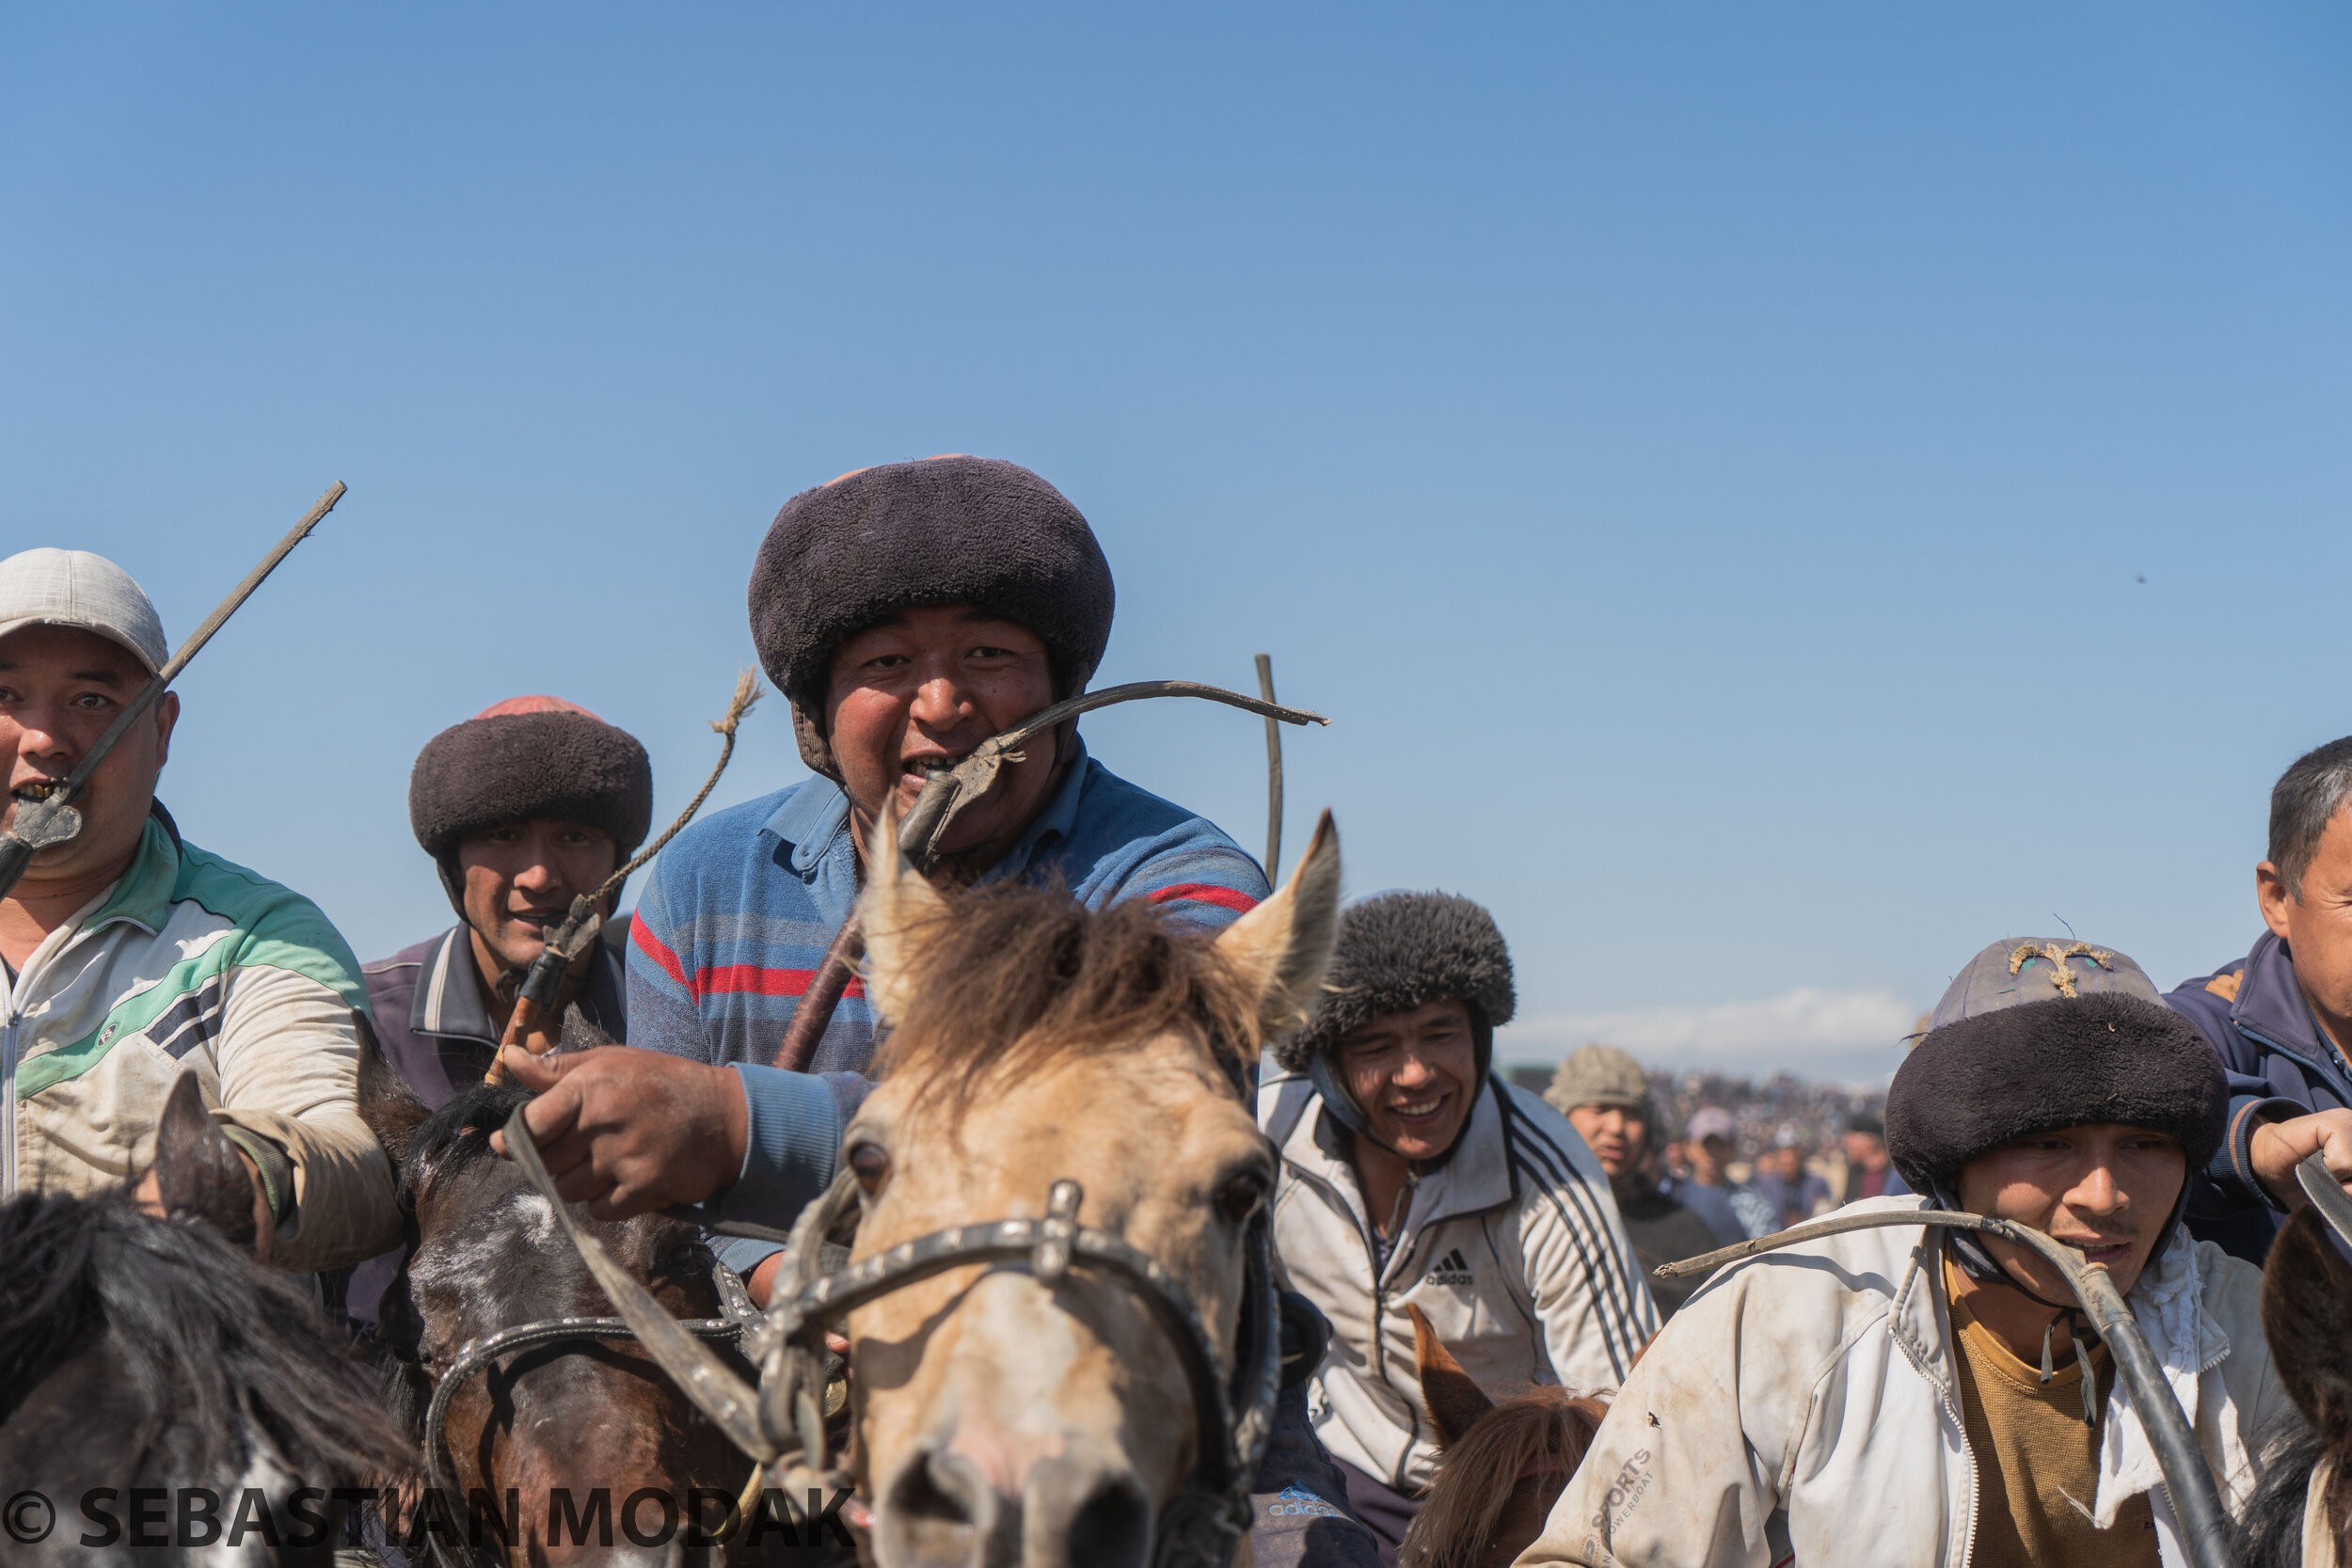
(738, 1316)
(1202, 1525)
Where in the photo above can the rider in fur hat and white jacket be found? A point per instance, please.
(1413, 1175)
(1913, 1396)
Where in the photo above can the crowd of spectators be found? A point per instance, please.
(1826, 1127)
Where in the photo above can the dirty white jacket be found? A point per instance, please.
(1803, 1404)
(1513, 1248)
(191, 962)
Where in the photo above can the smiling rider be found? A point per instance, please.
(908, 613)
(529, 803)
(1902, 1395)
(1411, 1175)
(130, 957)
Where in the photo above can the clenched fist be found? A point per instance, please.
(627, 1131)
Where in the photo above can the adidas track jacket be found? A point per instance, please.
(1513, 1248)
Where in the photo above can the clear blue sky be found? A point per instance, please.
(1706, 458)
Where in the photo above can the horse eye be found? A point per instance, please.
(1239, 1198)
(871, 1165)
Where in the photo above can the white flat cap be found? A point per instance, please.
(73, 588)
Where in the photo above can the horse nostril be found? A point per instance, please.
(1113, 1529)
(937, 1512)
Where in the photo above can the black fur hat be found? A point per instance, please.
(1395, 951)
(953, 529)
(526, 757)
(1989, 1078)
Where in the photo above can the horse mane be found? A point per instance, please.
(2270, 1532)
(1480, 1467)
(453, 1138)
(209, 1339)
(1018, 976)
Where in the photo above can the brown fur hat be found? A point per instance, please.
(953, 529)
(1990, 1078)
(529, 757)
(1398, 950)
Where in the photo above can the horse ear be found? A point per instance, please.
(387, 1103)
(1284, 945)
(901, 914)
(197, 1173)
(1454, 1401)
(2307, 1317)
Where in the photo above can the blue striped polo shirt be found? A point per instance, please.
(736, 919)
(741, 906)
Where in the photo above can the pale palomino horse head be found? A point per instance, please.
(1000, 1421)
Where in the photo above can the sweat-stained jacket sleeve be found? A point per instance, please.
(1684, 1472)
(1585, 1282)
(290, 1072)
(287, 1059)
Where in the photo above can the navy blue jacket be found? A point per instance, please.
(2279, 1062)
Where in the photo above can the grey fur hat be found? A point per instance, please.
(952, 529)
(1398, 950)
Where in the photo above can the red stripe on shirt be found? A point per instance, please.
(1206, 893)
(653, 947)
(762, 982)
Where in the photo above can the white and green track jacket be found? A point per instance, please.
(189, 962)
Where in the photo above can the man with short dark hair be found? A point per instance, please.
(1606, 1096)
(1869, 1171)
(2280, 1018)
(1904, 1395)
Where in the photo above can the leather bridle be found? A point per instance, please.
(1198, 1528)
(780, 1424)
(737, 1317)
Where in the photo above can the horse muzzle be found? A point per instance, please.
(945, 1508)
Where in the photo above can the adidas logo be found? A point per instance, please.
(1453, 1269)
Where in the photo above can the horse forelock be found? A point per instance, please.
(459, 1134)
(1535, 1434)
(1020, 977)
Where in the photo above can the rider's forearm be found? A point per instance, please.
(793, 1136)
